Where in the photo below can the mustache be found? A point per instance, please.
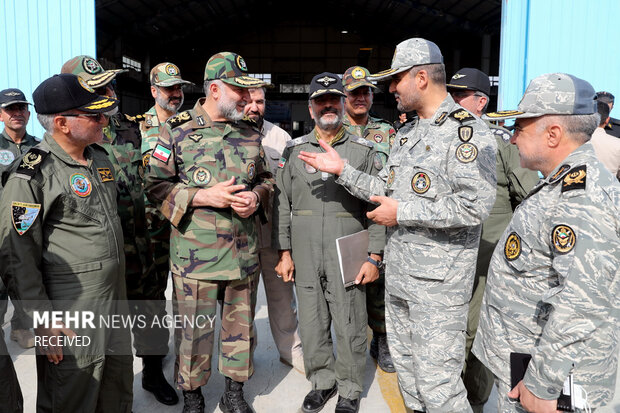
(328, 110)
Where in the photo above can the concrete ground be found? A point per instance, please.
(274, 387)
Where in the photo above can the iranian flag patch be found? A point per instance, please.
(162, 153)
(282, 162)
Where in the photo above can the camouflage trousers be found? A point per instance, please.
(375, 304)
(427, 344)
(196, 301)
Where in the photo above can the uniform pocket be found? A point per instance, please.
(199, 241)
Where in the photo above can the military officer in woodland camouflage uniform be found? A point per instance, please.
(208, 177)
(62, 250)
(553, 285)
(436, 189)
(167, 90)
(359, 91)
(311, 212)
(471, 88)
(122, 141)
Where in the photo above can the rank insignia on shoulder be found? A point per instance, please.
(282, 162)
(295, 142)
(31, 162)
(512, 248)
(23, 215)
(195, 137)
(105, 174)
(136, 118)
(441, 118)
(563, 238)
(362, 141)
(466, 152)
(558, 175)
(179, 119)
(162, 153)
(465, 133)
(575, 179)
(200, 121)
(403, 141)
(461, 115)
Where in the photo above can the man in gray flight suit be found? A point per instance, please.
(470, 88)
(311, 211)
(62, 250)
(436, 189)
(553, 284)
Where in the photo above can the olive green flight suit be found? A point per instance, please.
(311, 211)
(62, 250)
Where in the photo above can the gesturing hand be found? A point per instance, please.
(329, 161)
(385, 213)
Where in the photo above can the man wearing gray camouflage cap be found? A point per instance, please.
(435, 191)
(552, 289)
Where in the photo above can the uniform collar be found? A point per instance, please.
(60, 153)
(28, 139)
(445, 108)
(579, 156)
(151, 117)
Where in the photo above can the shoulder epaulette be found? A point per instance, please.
(136, 119)
(362, 141)
(575, 179)
(179, 119)
(462, 115)
(296, 141)
(31, 162)
(501, 132)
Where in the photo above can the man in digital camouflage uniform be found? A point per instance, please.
(471, 88)
(122, 141)
(436, 189)
(208, 177)
(359, 91)
(15, 142)
(62, 251)
(552, 289)
(167, 90)
(311, 213)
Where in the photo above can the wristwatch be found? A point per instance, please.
(378, 264)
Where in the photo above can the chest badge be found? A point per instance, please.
(23, 215)
(420, 183)
(556, 176)
(80, 185)
(309, 168)
(195, 137)
(512, 248)
(6, 157)
(390, 180)
(403, 141)
(252, 171)
(466, 152)
(106, 174)
(201, 176)
(378, 138)
(563, 238)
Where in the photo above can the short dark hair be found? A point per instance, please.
(603, 109)
(605, 97)
(436, 72)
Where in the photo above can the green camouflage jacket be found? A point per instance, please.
(194, 152)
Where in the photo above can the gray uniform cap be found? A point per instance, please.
(552, 94)
(409, 53)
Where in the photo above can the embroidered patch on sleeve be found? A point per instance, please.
(23, 215)
(162, 153)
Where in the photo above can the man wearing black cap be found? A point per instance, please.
(612, 127)
(15, 141)
(62, 251)
(470, 88)
(311, 212)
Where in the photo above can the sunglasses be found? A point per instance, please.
(97, 117)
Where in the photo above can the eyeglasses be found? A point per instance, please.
(97, 117)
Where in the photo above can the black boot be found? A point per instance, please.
(232, 400)
(379, 351)
(153, 380)
(193, 402)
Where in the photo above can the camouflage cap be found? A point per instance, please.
(410, 53)
(90, 70)
(325, 83)
(231, 68)
(356, 76)
(167, 74)
(552, 94)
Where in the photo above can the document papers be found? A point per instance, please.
(352, 254)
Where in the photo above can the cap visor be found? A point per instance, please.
(449, 85)
(246, 81)
(361, 83)
(509, 114)
(5, 104)
(100, 105)
(172, 82)
(321, 92)
(387, 74)
(104, 78)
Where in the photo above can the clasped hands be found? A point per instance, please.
(226, 194)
